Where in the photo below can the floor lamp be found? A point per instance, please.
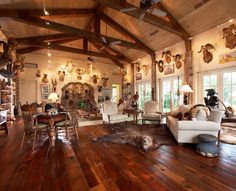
(186, 89)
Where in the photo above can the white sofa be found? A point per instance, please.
(187, 131)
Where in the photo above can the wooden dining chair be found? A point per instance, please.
(70, 124)
(31, 127)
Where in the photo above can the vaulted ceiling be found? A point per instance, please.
(76, 27)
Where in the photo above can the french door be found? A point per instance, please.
(144, 90)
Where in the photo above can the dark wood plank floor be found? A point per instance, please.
(86, 165)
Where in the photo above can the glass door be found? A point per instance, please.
(144, 90)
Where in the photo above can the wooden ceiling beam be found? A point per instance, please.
(40, 12)
(125, 32)
(46, 38)
(115, 60)
(28, 49)
(149, 18)
(73, 31)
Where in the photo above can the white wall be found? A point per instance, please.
(103, 70)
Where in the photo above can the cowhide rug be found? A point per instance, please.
(142, 137)
(228, 135)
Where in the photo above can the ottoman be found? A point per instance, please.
(207, 145)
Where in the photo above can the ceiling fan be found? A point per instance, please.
(146, 6)
(110, 44)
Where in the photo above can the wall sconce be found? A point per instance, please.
(186, 89)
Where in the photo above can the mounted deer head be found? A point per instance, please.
(138, 66)
(167, 56)
(54, 85)
(229, 34)
(104, 81)
(160, 65)
(79, 72)
(207, 55)
(61, 75)
(99, 88)
(178, 62)
(38, 74)
(95, 78)
(45, 78)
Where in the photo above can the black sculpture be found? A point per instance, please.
(211, 99)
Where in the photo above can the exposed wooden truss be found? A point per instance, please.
(169, 26)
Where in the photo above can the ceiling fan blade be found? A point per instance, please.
(128, 9)
(142, 15)
(159, 13)
(115, 43)
(104, 39)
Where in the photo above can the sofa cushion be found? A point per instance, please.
(151, 115)
(198, 125)
(201, 115)
(216, 115)
(118, 117)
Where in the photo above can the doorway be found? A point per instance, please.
(144, 91)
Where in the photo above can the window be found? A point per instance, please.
(229, 88)
(209, 82)
(144, 90)
(115, 93)
(170, 93)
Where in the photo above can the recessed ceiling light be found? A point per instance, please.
(49, 54)
(47, 23)
(49, 61)
(49, 43)
(46, 12)
(138, 59)
(231, 20)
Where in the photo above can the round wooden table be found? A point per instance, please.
(51, 120)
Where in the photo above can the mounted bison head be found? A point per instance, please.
(229, 34)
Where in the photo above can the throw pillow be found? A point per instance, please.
(201, 115)
(194, 111)
(216, 115)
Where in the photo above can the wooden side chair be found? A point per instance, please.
(32, 127)
(69, 125)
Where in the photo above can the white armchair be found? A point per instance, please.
(110, 113)
(151, 112)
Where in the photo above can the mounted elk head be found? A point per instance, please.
(95, 78)
(38, 74)
(207, 55)
(178, 62)
(79, 72)
(229, 34)
(61, 75)
(167, 56)
(104, 81)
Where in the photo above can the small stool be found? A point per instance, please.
(207, 145)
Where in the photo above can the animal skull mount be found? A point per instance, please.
(178, 62)
(54, 85)
(99, 88)
(45, 78)
(95, 78)
(61, 75)
(167, 56)
(229, 34)
(104, 81)
(160, 65)
(207, 55)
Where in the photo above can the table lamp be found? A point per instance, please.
(186, 89)
(53, 97)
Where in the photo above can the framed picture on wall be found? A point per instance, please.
(138, 76)
(169, 69)
(45, 91)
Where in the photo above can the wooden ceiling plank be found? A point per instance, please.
(28, 49)
(149, 18)
(71, 30)
(125, 32)
(40, 12)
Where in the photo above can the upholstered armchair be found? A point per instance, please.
(110, 113)
(151, 112)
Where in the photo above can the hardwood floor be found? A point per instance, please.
(86, 165)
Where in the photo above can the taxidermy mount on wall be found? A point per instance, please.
(138, 67)
(178, 62)
(95, 78)
(160, 64)
(207, 55)
(99, 88)
(38, 74)
(54, 85)
(45, 78)
(167, 56)
(104, 81)
(61, 75)
(79, 72)
(229, 34)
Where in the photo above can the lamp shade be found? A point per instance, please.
(53, 97)
(186, 88)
